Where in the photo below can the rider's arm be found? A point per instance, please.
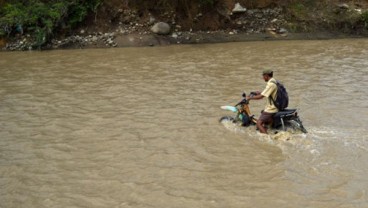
(255, 97)
(265, 93)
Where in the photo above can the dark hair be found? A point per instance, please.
(270, 74)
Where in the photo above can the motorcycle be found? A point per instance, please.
(282, 120)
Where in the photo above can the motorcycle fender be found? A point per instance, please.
(230, 108)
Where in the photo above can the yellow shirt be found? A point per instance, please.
(270, 90)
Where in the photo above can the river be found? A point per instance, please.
(139, 127)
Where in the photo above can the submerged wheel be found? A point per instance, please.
(297, 126)
(227, 118)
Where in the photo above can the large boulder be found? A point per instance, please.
(161, 28)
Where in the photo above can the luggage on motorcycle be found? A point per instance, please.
(246, 120)
(282, 98)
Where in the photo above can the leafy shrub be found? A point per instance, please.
(11, 15)
(42, 18)
(364, 17)
(298, 10)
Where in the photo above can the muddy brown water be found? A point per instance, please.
(138, 127)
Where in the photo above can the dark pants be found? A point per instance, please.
(265, 118)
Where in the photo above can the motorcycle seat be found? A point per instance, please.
(284, 112)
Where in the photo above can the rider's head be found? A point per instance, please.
(267, 74)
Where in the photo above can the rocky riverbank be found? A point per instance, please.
(129, 29)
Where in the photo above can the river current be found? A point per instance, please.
(139, 127)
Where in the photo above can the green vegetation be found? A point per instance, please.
(298, 10)
(365, 19)
(310, 14)
(42, 18)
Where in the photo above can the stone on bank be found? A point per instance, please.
(161, 28)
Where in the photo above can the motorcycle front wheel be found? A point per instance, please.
(227, 119)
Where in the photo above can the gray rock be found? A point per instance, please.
(174, 35)
(239, 9)
(161, 28)
(343, 6)
(152, 20)
(282, 31)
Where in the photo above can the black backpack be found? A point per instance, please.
(282, 98)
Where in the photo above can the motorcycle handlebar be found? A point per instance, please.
(251, 94)
(254, 93)
(242, 102)
(244, 95)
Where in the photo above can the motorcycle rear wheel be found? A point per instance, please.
(297, 126)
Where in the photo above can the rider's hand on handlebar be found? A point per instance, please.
(255, 93)
(252, 94)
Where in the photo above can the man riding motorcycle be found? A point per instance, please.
(270, 109)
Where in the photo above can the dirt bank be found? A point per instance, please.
(123, 24)
(151, 40)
